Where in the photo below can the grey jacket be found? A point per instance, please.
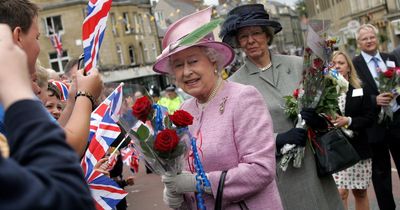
(300, 189)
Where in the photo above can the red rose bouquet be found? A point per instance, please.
(388, 83)
(162, 139)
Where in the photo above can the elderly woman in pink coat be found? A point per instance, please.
(232, 125)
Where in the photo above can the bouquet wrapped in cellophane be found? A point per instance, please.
(319, 90)
(389, 82)
(161, 139)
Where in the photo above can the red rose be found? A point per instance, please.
(296, 93)
(166, 140)
(318, 63)
(142, 108)
(308, 50)
(389, 73)
(181, 118)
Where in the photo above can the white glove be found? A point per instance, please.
(173, 200)
(181, 183)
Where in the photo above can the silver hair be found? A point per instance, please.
(214, 57)
(367, 26)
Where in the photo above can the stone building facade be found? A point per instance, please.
(346, 15)
(130, 40)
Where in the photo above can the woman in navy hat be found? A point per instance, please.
(249, 28)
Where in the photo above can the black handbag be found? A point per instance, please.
(333, 152)
(218, 199)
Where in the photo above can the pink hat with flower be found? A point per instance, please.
(182, 28)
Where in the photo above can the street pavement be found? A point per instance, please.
(146, 194)
(371, 193)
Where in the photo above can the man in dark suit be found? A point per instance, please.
(368, 65)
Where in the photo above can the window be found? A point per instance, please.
(58, 63)
(149, 23)
(159, 16)
(113, 24)
(53, 25)
(141, 23)
(131, 51)
(137, 22)
(127, 25)
(153, 48)
(120, 55)
(145, 53)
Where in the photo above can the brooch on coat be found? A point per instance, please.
(222, 105)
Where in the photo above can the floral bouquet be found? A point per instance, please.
(388, 83)
(319, 90)
(162, 139)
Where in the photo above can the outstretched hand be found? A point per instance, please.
(92, 83)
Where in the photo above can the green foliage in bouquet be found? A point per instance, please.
(329, 99)
(292, 105)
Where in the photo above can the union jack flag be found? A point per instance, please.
(130, 158)
(103, 131)
(63, 88)
(106, 193)
(93, 29)
(56, 43)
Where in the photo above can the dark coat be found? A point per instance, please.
(360, 110)
(43, 172)
(376, 133)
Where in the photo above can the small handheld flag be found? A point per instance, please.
(93, 29)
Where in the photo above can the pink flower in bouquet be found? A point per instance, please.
(389, 73)
(142, 108)
(181, 118)
(166, 140)
(397, 70)
(296, 93)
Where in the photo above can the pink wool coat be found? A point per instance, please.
(237, 135)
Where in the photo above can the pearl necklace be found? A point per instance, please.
(212, 94)
(266, 67)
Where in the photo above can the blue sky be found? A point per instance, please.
(290, 2)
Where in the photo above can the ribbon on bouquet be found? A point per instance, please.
(158, 118)
(201, 177)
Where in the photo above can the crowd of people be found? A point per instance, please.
(240, 121)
